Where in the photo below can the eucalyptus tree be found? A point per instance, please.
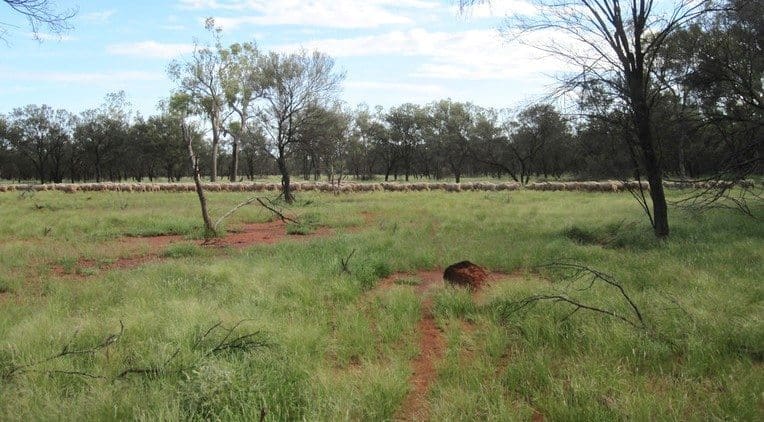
(101, 133)
(365, 130)
(201, 78)
(299, 86)
(243, 83)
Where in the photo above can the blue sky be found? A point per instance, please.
(392, 51)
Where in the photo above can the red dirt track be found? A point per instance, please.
(248, 235)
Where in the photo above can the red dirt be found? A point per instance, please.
(249, 235)
(432, 344)
(261, 234)
(431, 348)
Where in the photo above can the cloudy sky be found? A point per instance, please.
(393, 51)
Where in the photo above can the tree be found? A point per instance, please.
(298, 87)
(539, 141)
(40, 13)
(406, 126)
(243, 84)
(41, 135)
(452, 124)
(201, 79)
(102, 134)
(616, 43)
(364, 132)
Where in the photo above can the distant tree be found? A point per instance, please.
(452, 126)
(298, 88)
(364, 132)
(254, 151)
(40, 14)
(541, 140)
(102, 134)
(407, 124)
(41, 135)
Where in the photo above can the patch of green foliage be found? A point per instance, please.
(181, 250)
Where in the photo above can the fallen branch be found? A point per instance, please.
(577, 273)
(578, 306)
(67, 351)
(277, 212)
(582, 271)
(244, 342)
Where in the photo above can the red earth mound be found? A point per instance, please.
(466, 274)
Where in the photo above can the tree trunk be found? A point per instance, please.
(209, 227)
(286, 189)
(654, 175)
(650, 156)
(215, 144)
(234, 160)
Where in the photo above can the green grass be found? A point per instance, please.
(339, 351)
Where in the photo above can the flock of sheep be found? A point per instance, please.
(591, 186)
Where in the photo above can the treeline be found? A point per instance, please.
(442, 140)
(261, 113)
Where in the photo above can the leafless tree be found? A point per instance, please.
(40, 14)
(615, 43)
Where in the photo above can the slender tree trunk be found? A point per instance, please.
(286, 188)
(234, 160)
(209, 227)
(215, 145)
(98, 165)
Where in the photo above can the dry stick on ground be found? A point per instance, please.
(275, 211)
(258, 199)
(580, 272)
(67, 351)
(344, 263)
(244, 342)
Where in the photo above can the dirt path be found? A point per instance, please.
(432, 346)
(432, 343)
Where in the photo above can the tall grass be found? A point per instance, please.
(339, 350)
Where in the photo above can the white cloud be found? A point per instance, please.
(81, 77)
(474, 54)
(498, 9)
(44, 36)
(428, 89)
(149, 49)
(98, 17)
(320, 13)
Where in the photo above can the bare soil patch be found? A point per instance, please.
(248, 235)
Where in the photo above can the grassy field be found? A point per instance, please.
(210, 333)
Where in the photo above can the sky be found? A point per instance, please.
(392, 51)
